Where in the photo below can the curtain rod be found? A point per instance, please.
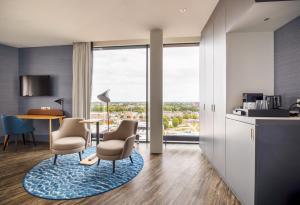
(143, 42)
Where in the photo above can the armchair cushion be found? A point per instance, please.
(110, 147)
(68, 143)
(111, 136)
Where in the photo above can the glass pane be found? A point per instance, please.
(181, 93)
(123, 71)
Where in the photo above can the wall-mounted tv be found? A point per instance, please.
(35, 85)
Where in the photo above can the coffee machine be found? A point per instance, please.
(252, 97)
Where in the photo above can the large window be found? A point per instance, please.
(123, 70)
(181, 92)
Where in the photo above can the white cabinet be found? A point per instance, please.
(213, 90)
(209, 96)
(230, 148)
(219, 81)
(202, 100)
(262, 159)
(240, 159)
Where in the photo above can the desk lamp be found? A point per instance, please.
(61, 102)
(104, 97)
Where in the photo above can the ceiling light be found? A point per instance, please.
(183, 10)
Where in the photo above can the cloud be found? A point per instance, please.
(124, 72)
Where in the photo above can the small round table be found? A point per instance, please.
(92, 159)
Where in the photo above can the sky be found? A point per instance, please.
(123, 71)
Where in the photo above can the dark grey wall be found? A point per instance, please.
(8, 81)
(55, 61)
(287, 62)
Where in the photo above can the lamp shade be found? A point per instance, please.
(59, 101)
(104, 97)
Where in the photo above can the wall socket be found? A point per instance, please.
(298, 100)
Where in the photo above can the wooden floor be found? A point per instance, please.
(179, 176)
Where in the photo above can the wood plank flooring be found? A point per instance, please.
(179, 176)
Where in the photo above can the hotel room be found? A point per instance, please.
(150, 102)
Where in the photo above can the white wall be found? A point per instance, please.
(250, 65)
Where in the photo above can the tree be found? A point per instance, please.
(97, 108)
(166, 122)
(186, 116)
(180, 119)
(175, 122)
(139, 109)
(194, 116)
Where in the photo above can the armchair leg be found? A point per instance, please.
(6, 139)
(55, 158)
(98, 162)
(33, 139)
(79, 155)
(23, 136)
(130, 159)
(114, 166)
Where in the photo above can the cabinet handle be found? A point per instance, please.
(203, 106)
(213, 107)
(252, 134)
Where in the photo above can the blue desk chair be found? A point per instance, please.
(12, 125)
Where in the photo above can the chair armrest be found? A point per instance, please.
(55, 135)
(128, 146)
(110, 136)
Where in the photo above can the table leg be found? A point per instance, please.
(60, 121)
(50, 133)
(97, 133)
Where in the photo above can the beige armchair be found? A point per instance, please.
(71, 137)
(118, 144)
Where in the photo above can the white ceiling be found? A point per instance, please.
(279, 13)
(28, 23)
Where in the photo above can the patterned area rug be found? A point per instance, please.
(70, 180)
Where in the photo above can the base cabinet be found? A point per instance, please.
(263, 160)
(240, 159)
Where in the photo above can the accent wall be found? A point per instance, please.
(8, 81)
(55, 61)
(287, 62)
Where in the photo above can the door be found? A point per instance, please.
(219, 90)
(209, 89)
(202, 92)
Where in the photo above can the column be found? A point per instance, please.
(156, 90)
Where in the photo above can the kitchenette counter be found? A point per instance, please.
(260, 120)
(263, 159)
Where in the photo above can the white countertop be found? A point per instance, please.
(253, 120)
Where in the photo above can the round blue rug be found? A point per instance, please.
(70, 180)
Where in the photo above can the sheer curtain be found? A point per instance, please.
(82, 79)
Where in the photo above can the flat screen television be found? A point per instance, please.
(35, 85)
